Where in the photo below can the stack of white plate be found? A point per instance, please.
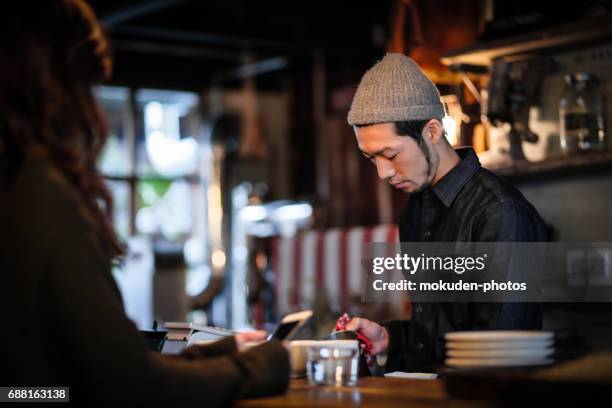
(496, 348)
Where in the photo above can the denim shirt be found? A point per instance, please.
(469, 204)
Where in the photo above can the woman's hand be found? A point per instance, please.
(377, 334)
(243, 338)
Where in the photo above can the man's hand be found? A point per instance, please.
(376, 333)
(244, 338)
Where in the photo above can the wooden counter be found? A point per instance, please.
(369, 392)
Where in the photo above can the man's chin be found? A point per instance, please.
(412, 188)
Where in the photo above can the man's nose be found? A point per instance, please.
(385, 168)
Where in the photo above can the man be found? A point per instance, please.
(397, 117)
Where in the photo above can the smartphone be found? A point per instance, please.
(290, 325)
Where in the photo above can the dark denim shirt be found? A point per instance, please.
(469, 204)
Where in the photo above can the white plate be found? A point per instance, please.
(496, 362)
(531, 353)
(498, 345)
(498, 335)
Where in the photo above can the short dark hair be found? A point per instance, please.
(412, 128)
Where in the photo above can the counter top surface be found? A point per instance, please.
(369, 392)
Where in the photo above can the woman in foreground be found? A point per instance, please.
(64, 323)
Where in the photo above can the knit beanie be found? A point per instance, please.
(395, 90)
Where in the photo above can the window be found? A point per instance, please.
(154, 168)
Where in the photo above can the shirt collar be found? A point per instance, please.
(449, 186)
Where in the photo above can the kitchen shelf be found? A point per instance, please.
(567, 35)
(581, 164)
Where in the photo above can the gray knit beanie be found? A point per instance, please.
(395, 90)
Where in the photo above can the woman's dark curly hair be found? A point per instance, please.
(51, 54)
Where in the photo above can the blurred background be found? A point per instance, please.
(239, 190)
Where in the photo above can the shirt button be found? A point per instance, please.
(428, 233)
(420, 345)
(418, 309)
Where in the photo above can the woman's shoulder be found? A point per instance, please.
(38, 185)
(39, 199)
(45, 214)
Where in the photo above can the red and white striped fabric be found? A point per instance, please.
(328, 261)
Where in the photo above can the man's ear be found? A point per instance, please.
(434, 130)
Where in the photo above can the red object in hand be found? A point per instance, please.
(366, 344)
(342, 322)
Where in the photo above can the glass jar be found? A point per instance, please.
(581, 114)
(333, 362)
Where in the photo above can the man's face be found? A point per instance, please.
(398, 159)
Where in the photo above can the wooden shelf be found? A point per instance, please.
(567, 35)
(585, 163)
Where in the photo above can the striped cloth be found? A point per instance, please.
(328, 261)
